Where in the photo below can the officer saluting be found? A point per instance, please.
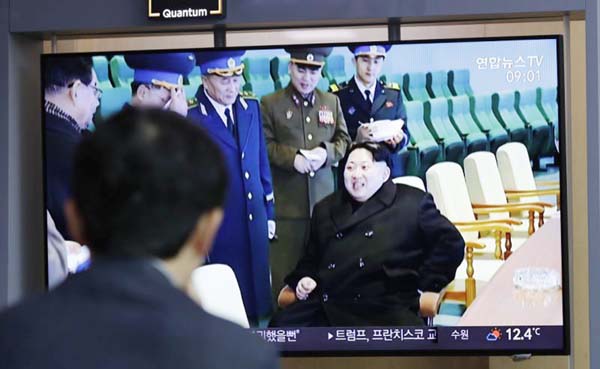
(366, 99)
(306, 134)
(235, 123)
(158, 80)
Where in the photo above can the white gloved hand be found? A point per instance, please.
(271, 228)
(178, 102)
(305, 286)
(321, 156)
(301, 165)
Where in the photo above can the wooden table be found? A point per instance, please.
(501, 303)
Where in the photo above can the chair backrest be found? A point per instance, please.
(415, 86)
(436, 115)
(526, 103)
(258, 77)
(548, 103)
(484, 182)
(416, 123)
(219, 293)
(437, 84)
(279, 72)
(515, 168)
(459, 82)
(335, 69)
(100, 64)
(121, 73)
(460, 112)
(446, 183)
(413, 181)
(481, 109)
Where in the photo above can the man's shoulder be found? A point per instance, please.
(326, 98)
(274, 96)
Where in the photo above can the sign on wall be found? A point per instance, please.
(179, 9)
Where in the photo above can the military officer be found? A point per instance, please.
(158, 80)
(366, 99)
(235, 123)
(306, 134)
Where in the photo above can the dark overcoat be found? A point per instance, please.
(370, 264)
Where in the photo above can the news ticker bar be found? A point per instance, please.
(415, 338)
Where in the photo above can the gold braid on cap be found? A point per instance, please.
(226, 72)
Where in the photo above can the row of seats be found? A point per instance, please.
(495, 196)
(448, 129)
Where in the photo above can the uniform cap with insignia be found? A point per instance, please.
(314, 56)
(165, 70)
(224, 63)
(370, 50)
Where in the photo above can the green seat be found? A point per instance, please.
(335, 70)
(279, 72)
(481, 111)
(112, 101)
(414, 85)
(438, 122)
(423, 150)
(541, 130)
(323, 84)
(437, 84)
(459, 82)
(100, 64)
(258, 76)
(548, 105)
(121, 73)
(503, 106)
(460, 115)
(195, 77)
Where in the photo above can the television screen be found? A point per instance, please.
(384, 198)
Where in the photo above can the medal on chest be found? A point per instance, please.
(289, 114)
(351, 110)
(389, 104)
(325, 115)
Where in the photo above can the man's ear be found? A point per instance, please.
(75, 222)
(74, 90)
(142, 92)
(206, 230)
(386, 173)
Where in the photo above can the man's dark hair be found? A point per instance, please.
(142, 181)
(60, 72)
(379, 151)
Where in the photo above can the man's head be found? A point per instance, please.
(221, 74)
(72, 85)
(156, 74)
(366, 170)
(369, 61)
(305, 67)
(145, 184)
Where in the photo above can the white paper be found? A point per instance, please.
(383, 130)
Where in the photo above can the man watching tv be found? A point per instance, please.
(148, 190)
(373, 248)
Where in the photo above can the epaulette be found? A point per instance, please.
(334, 87)
(393, 85)
(192, 102)
(248, 95)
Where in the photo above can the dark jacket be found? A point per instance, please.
(123, 314)
(61, 141)
(370, 264)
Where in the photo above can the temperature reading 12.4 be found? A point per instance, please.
(526, 334)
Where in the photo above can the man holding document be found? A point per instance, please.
(374, 111)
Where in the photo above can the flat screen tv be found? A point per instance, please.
(443, 234)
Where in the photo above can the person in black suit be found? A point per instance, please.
(148, 190)
(374, 246)
(71, 97)
(365, 99)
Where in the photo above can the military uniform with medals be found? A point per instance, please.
(292, 123)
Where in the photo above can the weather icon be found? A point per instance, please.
(494, 335)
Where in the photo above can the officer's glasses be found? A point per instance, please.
(97, 91)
